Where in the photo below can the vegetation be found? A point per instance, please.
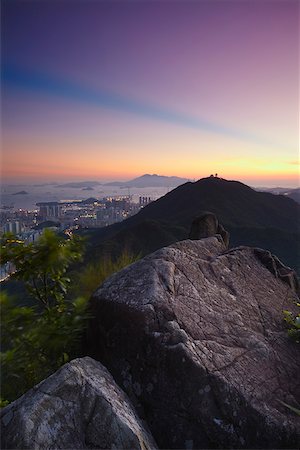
(93, 275)
(38, 339)
(293, 323)
(35, 343)
(42, 266)
(291, 408)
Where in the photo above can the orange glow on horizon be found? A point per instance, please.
(119, 174)
(74, 160)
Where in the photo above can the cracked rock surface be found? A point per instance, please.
(195, 335)
(78, 407)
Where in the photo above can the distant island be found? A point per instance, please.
(144, 181)
(21, 193)
(148, 180)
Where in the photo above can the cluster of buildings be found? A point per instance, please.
(66, 216)
(89, 213)
(20, 222)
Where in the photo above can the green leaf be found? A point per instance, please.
(292, 408)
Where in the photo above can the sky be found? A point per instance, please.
(110, 90)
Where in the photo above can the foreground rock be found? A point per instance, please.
(278, 269)
(195, 335)
(78, 407)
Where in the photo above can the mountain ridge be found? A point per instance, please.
(148, 180)
(253, 218)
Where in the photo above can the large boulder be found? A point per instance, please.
(79, 407)
(207, 225)
(195, 335)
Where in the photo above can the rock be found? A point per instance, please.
(204, 226)
(207, 225)
(278, 269)
(195, 335)
(224, 234)
(78, 407)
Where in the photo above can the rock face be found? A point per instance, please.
(78, 407)
(195, 336)
(278, 269)
(207, 225)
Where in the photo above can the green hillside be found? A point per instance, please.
(252, 218)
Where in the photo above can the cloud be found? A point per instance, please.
(17, 77)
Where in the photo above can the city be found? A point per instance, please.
(150, 225)
(64, 217)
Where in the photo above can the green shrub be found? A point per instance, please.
(38, 339)
(293, 323)
(35, 343)
(42, 265)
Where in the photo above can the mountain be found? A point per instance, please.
(294, 194)
(253, 218)
(287, 192)
(150, 181)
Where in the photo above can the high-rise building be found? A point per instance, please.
(49, 210)
(12, 227)
(143, 201)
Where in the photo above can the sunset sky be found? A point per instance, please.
(114, 89)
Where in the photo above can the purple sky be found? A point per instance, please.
(116, 89)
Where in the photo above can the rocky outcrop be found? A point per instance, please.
(278, 269)
(79, 407)
(195, 335)
(207, 225)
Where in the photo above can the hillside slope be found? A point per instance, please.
(252, 218)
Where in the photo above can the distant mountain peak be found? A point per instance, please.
(151, 180)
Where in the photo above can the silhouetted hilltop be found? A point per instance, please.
(233, 202)
(252, 218)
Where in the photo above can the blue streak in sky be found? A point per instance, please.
(34, 82)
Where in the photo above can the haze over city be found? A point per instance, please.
(112, 90)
